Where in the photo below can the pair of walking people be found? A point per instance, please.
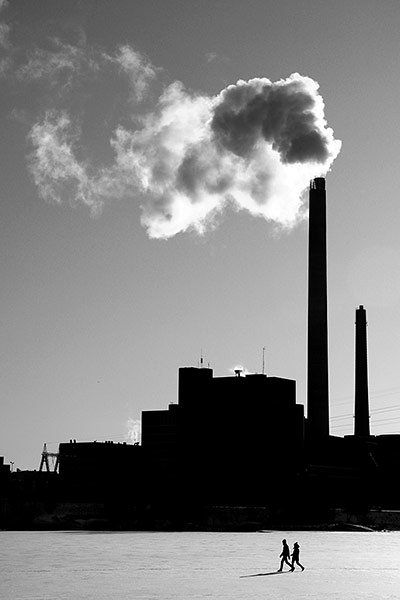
(285, 555)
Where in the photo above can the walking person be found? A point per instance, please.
(284, 555)
(296, 556)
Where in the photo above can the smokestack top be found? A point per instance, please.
(318, 183)
(361, 314)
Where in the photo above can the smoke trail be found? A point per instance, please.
(5, 29)
(134, 428)
(254, 146)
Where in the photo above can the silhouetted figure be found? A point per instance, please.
(296, 556)
(284, 555)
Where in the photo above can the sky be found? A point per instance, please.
(133, 238)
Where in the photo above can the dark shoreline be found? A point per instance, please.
(78, 515)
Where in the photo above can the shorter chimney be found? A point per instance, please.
(361, 404)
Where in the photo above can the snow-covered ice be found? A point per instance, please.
(182, 566)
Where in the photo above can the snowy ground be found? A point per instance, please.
(182, 566)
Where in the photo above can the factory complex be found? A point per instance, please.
(233, 452)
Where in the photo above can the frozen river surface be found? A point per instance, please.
(181, 566)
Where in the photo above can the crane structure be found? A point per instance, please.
(44, 462)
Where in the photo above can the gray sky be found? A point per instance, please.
(96, 316)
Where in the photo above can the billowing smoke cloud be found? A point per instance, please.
(254, 146)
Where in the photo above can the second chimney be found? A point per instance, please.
(361, 404)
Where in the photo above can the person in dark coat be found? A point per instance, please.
(284, 556)
(296, 556)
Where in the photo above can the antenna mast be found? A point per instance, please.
(263, 360)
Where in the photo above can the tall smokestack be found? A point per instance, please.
(317, 380)
(361, 408)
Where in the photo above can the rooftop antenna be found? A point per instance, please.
(201, 358)
(263, 360)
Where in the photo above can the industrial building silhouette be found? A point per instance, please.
(228, 439)
(242, 440)
(245, 440)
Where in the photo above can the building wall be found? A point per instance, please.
(229, 439)
(101, 470)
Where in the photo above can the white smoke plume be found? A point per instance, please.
(138, 69)
(63, 59)
(254, 146)
(4, 33)
(243, 370)
(5, 29)
(59, 175)
(134, 427)
(63, 65)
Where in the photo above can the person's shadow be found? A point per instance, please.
(265, 574)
